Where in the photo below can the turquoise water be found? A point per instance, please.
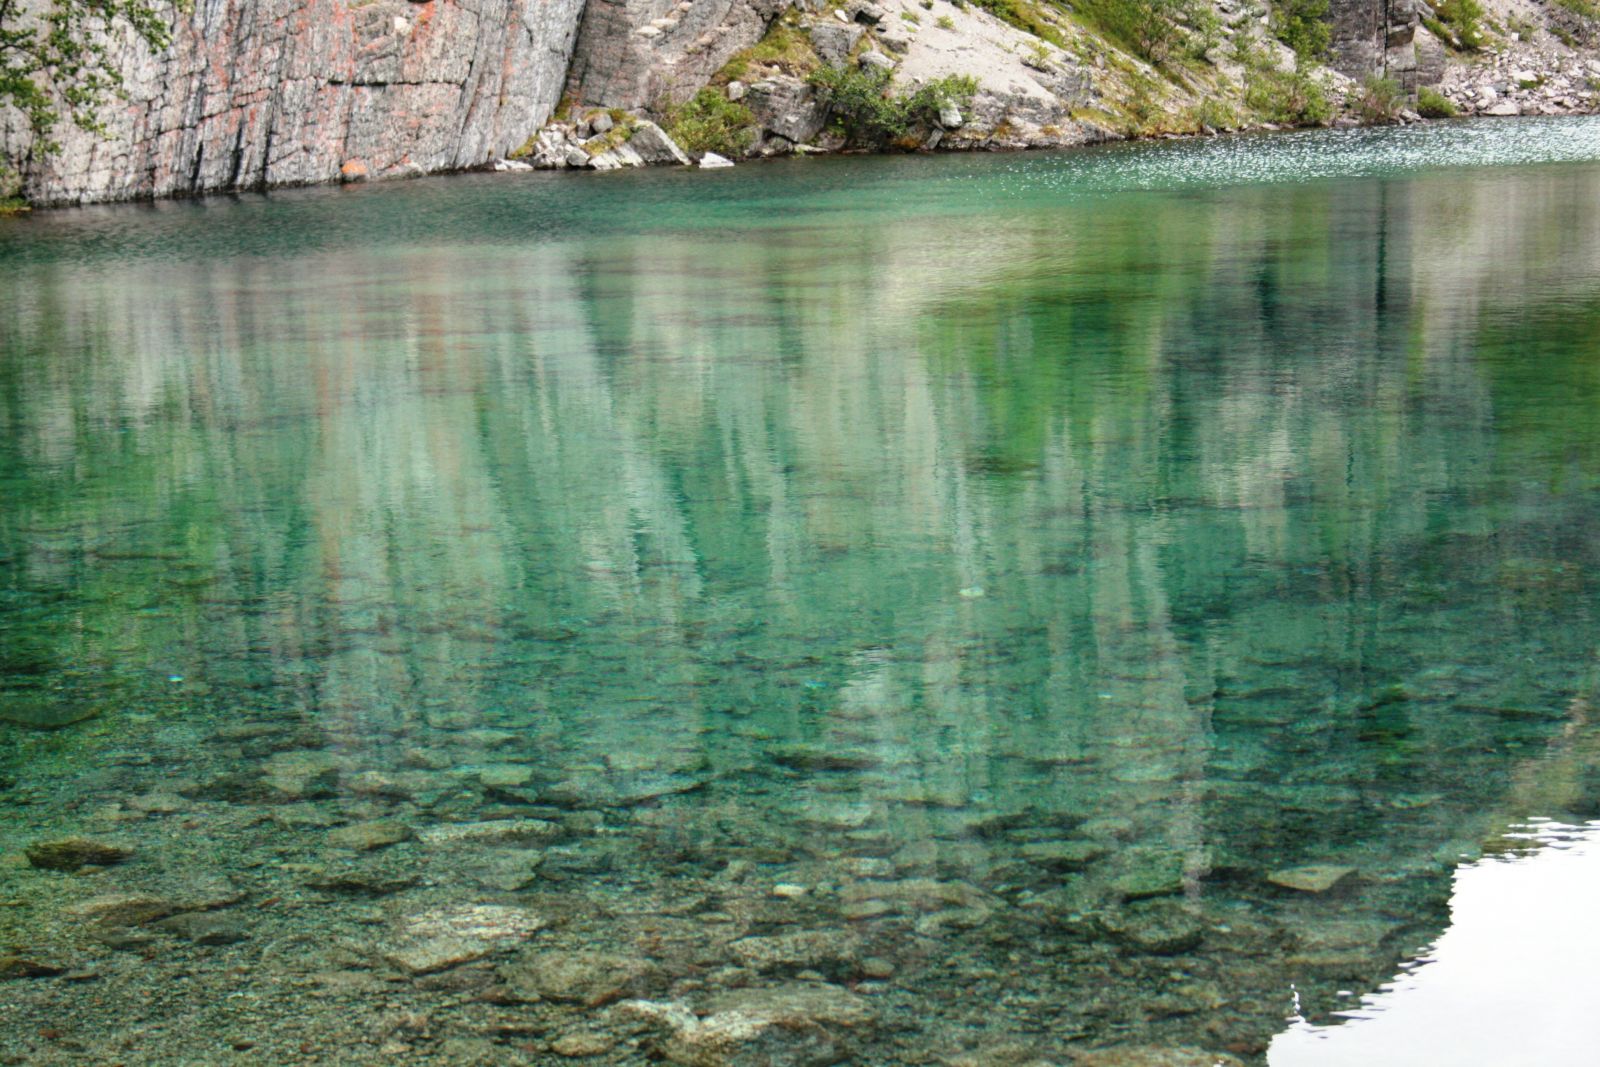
(923, 610)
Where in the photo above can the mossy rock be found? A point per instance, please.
(39, 713)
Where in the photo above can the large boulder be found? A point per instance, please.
(786, 107)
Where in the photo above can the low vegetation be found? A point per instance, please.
(1212, 114)
(786, 46)
(1289, 98)
(1459, 23)
(1303, 25)
(1025, 16)
(868, 113)
(710, 122)
(1432, 104)
(1380, 101)
(1155, 30)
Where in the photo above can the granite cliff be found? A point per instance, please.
(257, 93)
(260, 93)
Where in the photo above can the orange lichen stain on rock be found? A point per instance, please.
(353, 171)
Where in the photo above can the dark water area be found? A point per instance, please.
(1109, 607)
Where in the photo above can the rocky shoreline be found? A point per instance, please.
(740, 79)
(1025, 92)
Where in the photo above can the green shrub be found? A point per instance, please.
(1432, 104)
(867, 112)
(1458, 23)
(710, 122)
(1153, 28)
(785, 46)
(1303, 26)
(1380, 101)
(1214, 113)
(1023, 14)
(945, 22)
(1286, 98)
(1523, 28)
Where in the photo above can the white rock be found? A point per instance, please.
(711, 161)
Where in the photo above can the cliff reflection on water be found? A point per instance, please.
(1087, 549)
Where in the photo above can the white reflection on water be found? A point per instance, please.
(1512, 981)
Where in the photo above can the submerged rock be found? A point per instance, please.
(818, 758)
(44, 714)
(490, 832)
(1315, 878)
(1158, 927)
(123, 909)
(587, 978)
(73, 853)
(203, 928)
(1147, 872)
(824, 950)
(583, 1043)
(15, 965)
(366, 836)
(809, 1025)
(1152, 1056)
(301, 774)
(440, 938)
(735, 1039)
(1063, 855)
(374, 876)
(507, 870)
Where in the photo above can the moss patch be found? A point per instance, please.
(786, 46)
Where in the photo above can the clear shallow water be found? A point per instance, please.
(1027, 556)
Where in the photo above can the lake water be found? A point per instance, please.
(1098, 607)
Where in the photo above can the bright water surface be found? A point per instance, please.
(1016, 562)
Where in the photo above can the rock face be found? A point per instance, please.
(255, 93)
(636, 53)
(1384, 37)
